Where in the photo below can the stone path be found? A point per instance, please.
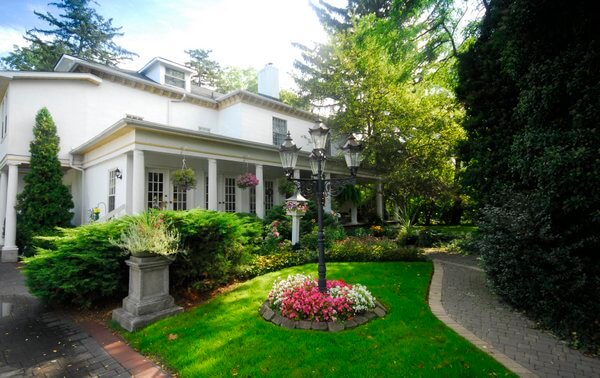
(467, 300)
(36, 342)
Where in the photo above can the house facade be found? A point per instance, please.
(122, 134)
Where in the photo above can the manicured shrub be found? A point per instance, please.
(370, 248)
(79, 267)
(213, 247)
(283, 258)
(45, 202)
(309, 240)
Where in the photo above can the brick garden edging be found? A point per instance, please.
(272, 316)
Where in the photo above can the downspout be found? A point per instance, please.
(183, 97)
(82, 187)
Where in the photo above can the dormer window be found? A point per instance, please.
(174, 77)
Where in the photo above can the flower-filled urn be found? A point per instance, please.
(296, 205)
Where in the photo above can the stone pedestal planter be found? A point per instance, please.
(148, 298)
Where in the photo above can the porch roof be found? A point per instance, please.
(196, 143)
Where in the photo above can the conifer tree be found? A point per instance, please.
(45, 202)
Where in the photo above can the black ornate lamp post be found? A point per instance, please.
(318, 184)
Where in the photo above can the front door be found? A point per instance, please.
(157, 196)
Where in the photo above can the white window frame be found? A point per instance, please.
(279, 131)
(174, 79)
(112, 190)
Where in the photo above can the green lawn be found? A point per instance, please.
(226, 336)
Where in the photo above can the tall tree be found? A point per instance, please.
(372, 79)
(78, 31)
(233, 78)
(208, 71)
(45, 202)
(531, 87)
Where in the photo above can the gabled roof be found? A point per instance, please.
(166, 62)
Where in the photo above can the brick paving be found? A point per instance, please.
(468, 301)
(37, 342)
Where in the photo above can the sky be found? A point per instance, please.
(243, 33)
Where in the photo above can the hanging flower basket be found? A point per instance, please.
(184, 178)
(246, 180)
(295, 208)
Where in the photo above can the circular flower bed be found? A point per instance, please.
(297, 299)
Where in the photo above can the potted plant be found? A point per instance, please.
(184, 178)
(153, 244)
(246, 180)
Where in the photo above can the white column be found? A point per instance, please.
(380, 200)
(260, 192)
(138, 186)
(353, 214)
(296, 229)
(10, 250)
(3, 183)
(327, 205)
(212, 185)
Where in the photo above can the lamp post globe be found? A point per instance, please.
(288, 153)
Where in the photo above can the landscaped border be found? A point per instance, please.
(272, 316)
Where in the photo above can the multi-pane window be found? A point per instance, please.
(155, 190)
(253, 200)
(279, 131)
(179, 198)
(230, 194)
(112, 189)
(269, 195)
(174, 77)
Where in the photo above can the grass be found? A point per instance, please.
(226, 336)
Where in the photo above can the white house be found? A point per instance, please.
(123, 132)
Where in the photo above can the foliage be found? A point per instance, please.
(213, 246)
(293, 99)
(531, 87)
(286, 188)
(369, 248)
(207, 70)
(298, 298)
(225, 336)
(78, 266)
(78, 31)
(45, 202)
(331, 234)
(233, 78)
(185, 178)
(148, 234)
(408, 123)
(277, 260)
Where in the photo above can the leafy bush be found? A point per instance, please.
(285, 258)
(148, 234)
(540, 271)
(213, 246)
(331, 234)
(79, 266)
(371, 249)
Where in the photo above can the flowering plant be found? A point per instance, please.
(94, 214)
(377, 230)
(295, 207)
(246, 180)
(298, 298)
(148, 234)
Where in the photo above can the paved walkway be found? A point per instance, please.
(467, 300)
(36, 342)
